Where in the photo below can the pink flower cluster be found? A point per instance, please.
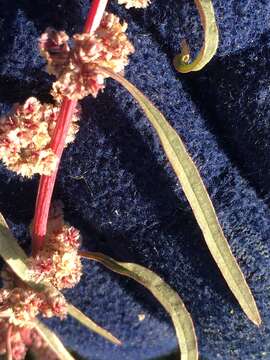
(25, 135)
(78, 68)
(54, 48)
(134, 3)
(19, 306)
(58, 263)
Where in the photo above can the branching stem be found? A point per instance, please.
(46, 184)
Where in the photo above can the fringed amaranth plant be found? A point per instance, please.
(32, 139)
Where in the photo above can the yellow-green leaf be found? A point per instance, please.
(16, 258)
(199, 200)
(211, 38)
(91, 325)
(53, 341)
(169, 299)
(12, 253)
(10, 250)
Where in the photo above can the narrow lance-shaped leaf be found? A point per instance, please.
(211, 38)
(12, 253)
(169, 299)
(199, 200)
(91, 325)
(16, 258)
(53, 341)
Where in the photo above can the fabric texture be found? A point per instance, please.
(119, 190)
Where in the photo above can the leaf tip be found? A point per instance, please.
(256, 319)
(118, 342)
(114, 339)
(253, 314)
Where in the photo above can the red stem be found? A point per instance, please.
(95, 15)
(46, 184)
(8, 342)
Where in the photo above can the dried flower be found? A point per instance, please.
(80, 75)
(134, 3)
(25, 135)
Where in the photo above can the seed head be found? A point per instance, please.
(58, 262)
(25, 135)
(20, 306)
(80, 76)
(54, 304)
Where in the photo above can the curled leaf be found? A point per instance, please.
(199, 200)
(169, 299)
(53, 341)
(211, 38)
(91, 325)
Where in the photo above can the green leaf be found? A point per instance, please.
(211, 38)
(9, 248)
(16, 258)
(199, 200)
(12, 253)
(168, 298)
(91, 325)
(53, 341)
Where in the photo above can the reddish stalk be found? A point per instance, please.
(8, 343)
(46, 184)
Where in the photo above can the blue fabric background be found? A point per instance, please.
(120, 191)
